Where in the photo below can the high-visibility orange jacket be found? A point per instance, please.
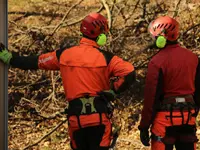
(172, 72)
(85, 69)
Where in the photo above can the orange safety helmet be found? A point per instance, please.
(165, 26)
(93, 25)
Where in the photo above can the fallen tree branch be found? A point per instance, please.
(17, 86)
(27, 100)
(27, 14)
(191, 28)
(64, 24)
(176, 9)
(46, 135)
(108, 12)
(136, 6)
(63, 19)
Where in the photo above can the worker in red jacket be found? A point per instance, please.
(86, 71)
(172, 91)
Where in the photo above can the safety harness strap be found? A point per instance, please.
(100, 118)
(79, 122)
(184, 103)
(178, 99)
(171, 114)
(156, 138)
(86, 106)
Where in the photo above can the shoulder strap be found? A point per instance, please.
(108, 55)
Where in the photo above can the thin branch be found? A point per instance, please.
(80, 19)
(176, 9)
(27, 14)
(133, 11)
(136, 6)
(27, 100)
(191, 28)
(63, 19)
(27, 85)
(46, 135)
(108, 12)
(144, 9)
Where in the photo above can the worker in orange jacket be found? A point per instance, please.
(86, 71)
(172, 91)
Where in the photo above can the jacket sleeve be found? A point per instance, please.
(123, 71)
(24, 62)
(197, 86)
(48, 61)
(152, 96)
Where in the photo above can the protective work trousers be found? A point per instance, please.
(179, 131)
(87, 132)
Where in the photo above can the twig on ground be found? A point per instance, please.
(192, 27)
(46, 135)
(27, 100)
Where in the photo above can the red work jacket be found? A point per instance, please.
(171, 72)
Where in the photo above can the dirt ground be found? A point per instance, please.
(36, 98)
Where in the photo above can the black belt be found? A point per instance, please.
(89, 105)
(178, 99)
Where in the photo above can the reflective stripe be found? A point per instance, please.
(178, 99)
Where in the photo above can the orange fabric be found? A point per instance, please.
(48, 61)
(87, 121)
(160, 122)
(120, 69)
(84, 70)
(155, 145)
(119, 83)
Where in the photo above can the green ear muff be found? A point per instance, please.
(161, 42)
(101, 40)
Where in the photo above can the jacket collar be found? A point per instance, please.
(85, 41)
(172, 45)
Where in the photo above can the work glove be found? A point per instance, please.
(108, 94)
(5, 56)
(144, 137)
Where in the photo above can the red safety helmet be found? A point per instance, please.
(93, 25)
(165, 26)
